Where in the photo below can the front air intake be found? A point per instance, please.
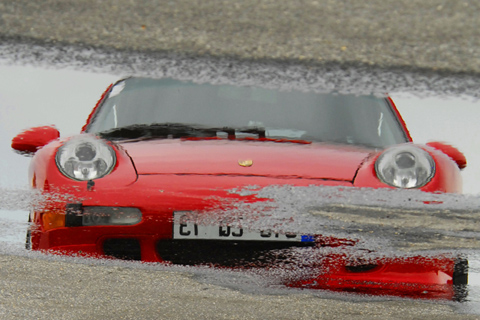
(123, 248)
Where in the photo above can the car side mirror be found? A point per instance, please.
(450, 151)
(29, 141)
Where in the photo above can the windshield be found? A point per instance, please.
(226, 110)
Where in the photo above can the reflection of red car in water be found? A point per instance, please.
(153, 151)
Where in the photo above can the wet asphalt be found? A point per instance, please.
(55, 289)
(427, 44)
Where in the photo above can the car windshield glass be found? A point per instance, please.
(172, 106)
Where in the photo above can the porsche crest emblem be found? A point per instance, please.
(245, 163)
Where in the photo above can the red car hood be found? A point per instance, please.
(223, 157)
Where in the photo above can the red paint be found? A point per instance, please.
(452, 152)
(400, 119)
(29, 141)
(99, 102)
(413, 277)
(270, 159)
(447, 177)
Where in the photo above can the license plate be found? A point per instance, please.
(185, 227)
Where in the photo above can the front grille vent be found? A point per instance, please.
(122, 248)
(226, 253)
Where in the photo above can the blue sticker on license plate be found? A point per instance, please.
(308, 238)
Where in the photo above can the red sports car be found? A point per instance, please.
(155, 154)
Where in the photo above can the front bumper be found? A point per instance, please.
(151, 241)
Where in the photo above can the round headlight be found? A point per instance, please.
(405, 167)
(85, 158)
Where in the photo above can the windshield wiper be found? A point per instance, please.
(232, 132)
(174, 130)
(157, 131)
(179, 130)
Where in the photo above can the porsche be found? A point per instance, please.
(155, 154)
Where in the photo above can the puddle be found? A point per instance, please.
(32, 96)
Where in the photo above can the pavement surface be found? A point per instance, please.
(410, 44)
(424, 34)
(55, 289)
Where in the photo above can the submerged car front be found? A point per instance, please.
(154, 152)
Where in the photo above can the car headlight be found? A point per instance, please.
(85, 158)
(405, 167)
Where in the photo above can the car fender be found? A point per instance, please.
(447, 176)
(45, 175)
